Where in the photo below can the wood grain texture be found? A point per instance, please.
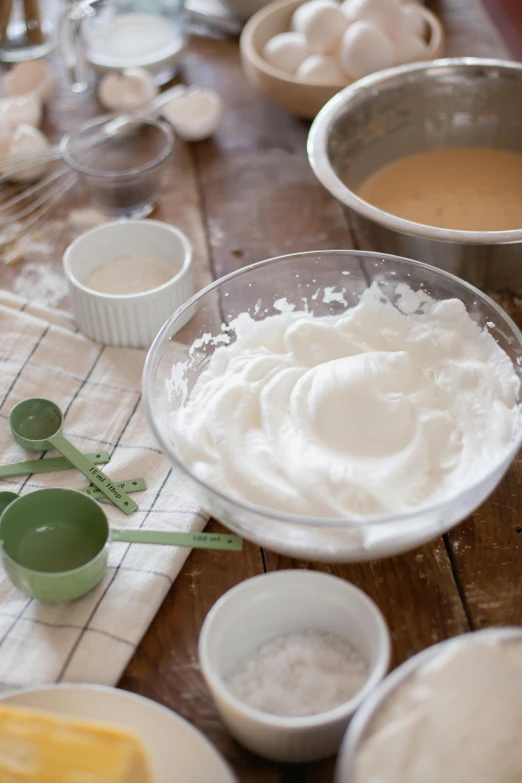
(487, 549)
(416, 593)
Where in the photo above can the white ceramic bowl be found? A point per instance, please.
(360, 728)
(271, 605)
(128, 320)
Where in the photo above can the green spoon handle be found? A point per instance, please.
(94, 474)
(48, 465)
(131, 485)
(196, 540)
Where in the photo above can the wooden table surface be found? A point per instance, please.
(247, 195)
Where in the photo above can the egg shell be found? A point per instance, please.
(286, 51)
(25, 140)
(323, 27)
(33, 76)
(300, 14)
(412, 21)
(20, 109)
(319, 69)
(409, 49)
(130, 89)
(194, 113)
(365, 49)
(385, 14)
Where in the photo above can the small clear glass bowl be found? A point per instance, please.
(119, 162)
(255, 289)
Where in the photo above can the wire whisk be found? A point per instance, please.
(22, 210)
(23, 207)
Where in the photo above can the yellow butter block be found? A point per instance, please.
(41, 747)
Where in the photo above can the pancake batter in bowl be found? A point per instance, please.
(465, 189)
(376, 411)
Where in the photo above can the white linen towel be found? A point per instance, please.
(98, 388)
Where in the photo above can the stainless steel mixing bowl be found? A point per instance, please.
(446, 103)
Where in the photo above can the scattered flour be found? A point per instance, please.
(39, 282)
(85, 218)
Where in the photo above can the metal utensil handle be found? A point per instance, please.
(94, 474)
(130, 485)
(168, 538)
(48, 465)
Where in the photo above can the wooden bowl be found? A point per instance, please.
(299, 97)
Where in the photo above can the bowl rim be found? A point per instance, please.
(343, 711)
(296, 519)
(161, 125)
(250, 52)
(154, 226)
(317, 149)
(364, 716)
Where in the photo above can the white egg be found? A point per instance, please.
(319, 69)
(286, 51)
(25, 140)
(323, 27)
(365, 49)
(20, 109)
(409, 49)
(412, 21)
(194, 113)
(300, 15)
(130, 89)
(385, 14)
(33, 76)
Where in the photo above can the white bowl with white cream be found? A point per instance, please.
(126, 278)
(451, 713)
(267, 609)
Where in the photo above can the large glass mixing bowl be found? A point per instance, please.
(327, 282)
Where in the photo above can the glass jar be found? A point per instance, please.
(27, 29)
(117, 34)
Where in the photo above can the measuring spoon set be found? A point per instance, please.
(54, 542)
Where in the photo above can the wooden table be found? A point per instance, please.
(247, 195)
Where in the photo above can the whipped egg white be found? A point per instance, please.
(381, 409)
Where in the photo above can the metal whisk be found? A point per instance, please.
(21, 210)
(23, 207)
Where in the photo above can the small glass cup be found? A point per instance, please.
(27, 30)
(120, 162)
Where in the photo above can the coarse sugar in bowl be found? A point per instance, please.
(391, 431)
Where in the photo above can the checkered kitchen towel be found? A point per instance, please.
(90, 639)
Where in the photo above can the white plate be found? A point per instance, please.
(177, 751)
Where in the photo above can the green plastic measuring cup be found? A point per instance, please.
(6, 498)
(36, 425)
(55, 542)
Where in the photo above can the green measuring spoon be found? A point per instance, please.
(131, 485)
(54, 542)
(48, 465)
(36, 425)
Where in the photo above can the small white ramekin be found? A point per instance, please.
(271, 605)
(129, 320)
